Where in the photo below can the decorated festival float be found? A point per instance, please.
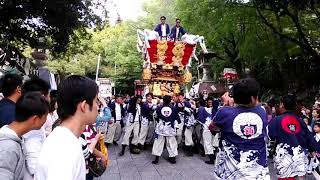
(166, 62)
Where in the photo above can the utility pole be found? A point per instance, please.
(115, 75)
(98, 66)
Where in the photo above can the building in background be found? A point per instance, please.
(105, 87)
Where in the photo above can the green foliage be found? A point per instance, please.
(278, 43)
(260, 35)
(120, 59)
(155, 9)
(25, 21)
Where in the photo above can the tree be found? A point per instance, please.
(302, 22)
(25, 21)
(117, 46)
(277, 41)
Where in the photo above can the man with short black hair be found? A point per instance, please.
(61, 156)
(116, 123)
(11, 90)
(37, 84)
(165, 131)
(147, 110)
(243, 154)
(177, 31)
(293, 141)
(132, 125)
(163, 29)
(31, 113)
(34, 139)
(186, 126)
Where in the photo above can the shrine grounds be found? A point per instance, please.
(139, 167)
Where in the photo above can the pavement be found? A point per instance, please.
(139, 167)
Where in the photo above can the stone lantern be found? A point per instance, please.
(39, 53)
(206, 85)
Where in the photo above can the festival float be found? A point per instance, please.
(167, 63)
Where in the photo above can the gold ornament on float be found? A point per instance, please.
(157, 90)
(176, 89)
(178, 52)
(187, 77)
(161, 51)
(146, 74)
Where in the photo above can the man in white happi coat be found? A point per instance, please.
(147, 110)
(132, 125)
(165, 131)
(187, 122)
(117, 121)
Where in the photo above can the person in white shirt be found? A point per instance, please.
(132, 124)
(163, 29)
(52, 116)
(34, 139)
(177, 31)
(61, 156)
(116, 123)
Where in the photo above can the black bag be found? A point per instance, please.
(96, 167)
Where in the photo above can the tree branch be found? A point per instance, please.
(272, 27)
(301, 44)
(302, 35)
(314, 9)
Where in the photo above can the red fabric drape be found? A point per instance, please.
(152, 51)
(187, 54)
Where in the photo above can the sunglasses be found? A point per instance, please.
(178, 22)
(163, 19)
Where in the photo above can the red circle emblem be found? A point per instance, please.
(291, 125)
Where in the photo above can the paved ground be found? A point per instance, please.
(139, 167)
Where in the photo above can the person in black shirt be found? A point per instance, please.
(11, 90)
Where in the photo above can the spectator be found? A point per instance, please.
(34, 139)
(317, 137)
(37, 84)
(315, 116)
(31, 112)
(308, 122)
(89, 138)
(11, 90)
(61, 156)
(52, 116)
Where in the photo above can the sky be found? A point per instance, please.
(127, 9)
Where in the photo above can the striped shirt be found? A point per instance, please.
(85, 140)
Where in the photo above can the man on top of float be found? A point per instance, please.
(177, 31)
(163, 29)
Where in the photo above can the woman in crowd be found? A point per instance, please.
(52, 116)
(315, 116)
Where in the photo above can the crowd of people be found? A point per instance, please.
(61, 134)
